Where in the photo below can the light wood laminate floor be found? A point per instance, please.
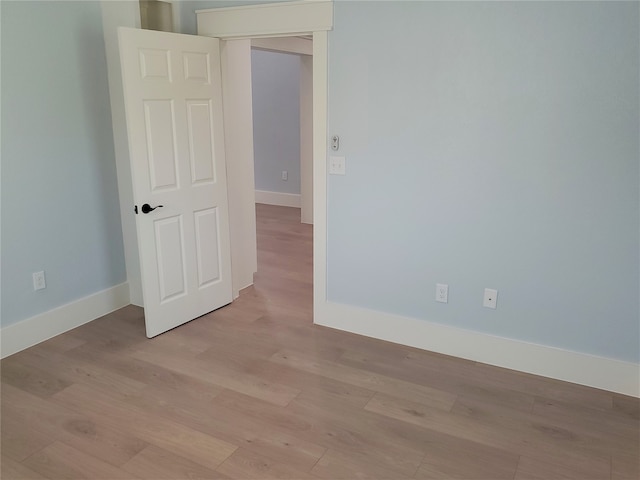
(255, 391)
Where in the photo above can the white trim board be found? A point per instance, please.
(267, 19)
(278, 198)
(114, 15)
(294, 45)
(44, 326)
(590, 370)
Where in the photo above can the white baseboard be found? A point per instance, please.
(593, 371)
(44, 326)
(277, 198)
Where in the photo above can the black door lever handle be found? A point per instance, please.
(146, 208)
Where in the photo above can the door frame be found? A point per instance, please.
(292, 19)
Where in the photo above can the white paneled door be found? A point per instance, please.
(173, 104)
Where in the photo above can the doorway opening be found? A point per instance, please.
(312, 19)
(282, 93)
(239, 144)
(282, 109)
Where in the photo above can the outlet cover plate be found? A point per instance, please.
(490, 298)
(39, 282)
(442, 293)
(337, 165)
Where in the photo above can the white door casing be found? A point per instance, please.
(306, 138)
(173, 105)
(235, 62)
(275, 20)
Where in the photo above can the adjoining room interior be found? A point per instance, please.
(281, 93)
(465, 305)
(281, 71)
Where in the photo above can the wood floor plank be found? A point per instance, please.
(536, 437)
(628, 406)
(242, 310)
(221, 376)
(250, 465)
(283, 332)
(337, 430)
(286, 448)
(543, 387)
(18, 440)
(60, 344)
(232, 426)
(198, 414)
(340, 465)
(441, 373)
(256, 362)
(154, 463)
(510, 434)
(536, 469)
(380, 383)
(243, 355)
(423, 416)
(31, 379)
(47, 419)
(146, 374)
(116, 332)
(625, 466)
(323, 389)
(61, 461)
(192, 444)
(183, 343)
(71, 371)
(617, 432)
(454, 458)
(12, 470)
(365, 437)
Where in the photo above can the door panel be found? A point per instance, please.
(207, 241)
(200, 141)
(196, 67)
(159, 122)
(154, 64)
(173, 106)
(170, 252)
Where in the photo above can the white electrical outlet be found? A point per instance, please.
(39, 281)
(442, 292)
(490, 298)
(337, 165)
(285, 175)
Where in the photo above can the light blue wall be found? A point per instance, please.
(60, 209)
(490, 144)
(275, 81)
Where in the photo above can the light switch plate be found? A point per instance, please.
(337, 165)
